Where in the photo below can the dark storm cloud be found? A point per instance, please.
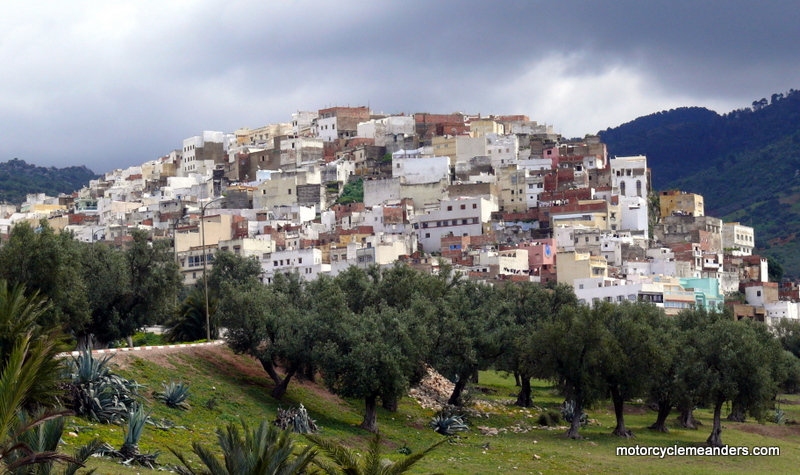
(115, 84)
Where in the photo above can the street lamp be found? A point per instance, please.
(205, 265)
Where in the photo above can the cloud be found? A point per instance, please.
(116, 83)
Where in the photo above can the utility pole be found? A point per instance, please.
(205, 265)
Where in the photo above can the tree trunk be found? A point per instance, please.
(129, 340)
(715, 439)
(311, 373)
(737, 413)
(687, 420)
(281, 383)
(524, 398)
(516, 379)
(619, 412)
(455, 397)
(370, 422)
(664, 408)
(575, 425)
(389, 403)
(474, 378)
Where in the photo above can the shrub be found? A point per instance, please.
(549, 419)
(174, 395)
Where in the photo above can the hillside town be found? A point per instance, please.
(496, 197)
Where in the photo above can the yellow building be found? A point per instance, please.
(598, 214)
(445, 146)
(578, 265)
(481, 127)
(512, 183)
(680, 202)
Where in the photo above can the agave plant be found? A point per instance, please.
(263, 450)
(129, 451)
(296, 419)
(174, 395)
(448, 425)
(97, 393)
(347, 462)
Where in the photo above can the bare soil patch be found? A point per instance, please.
(629, 409)
(770, 430)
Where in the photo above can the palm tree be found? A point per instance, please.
(19, 315)
(265, 450)
(45, 438)
(24, 365)
(347, 462)
(189, 322)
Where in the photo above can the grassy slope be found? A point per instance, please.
(242, 391)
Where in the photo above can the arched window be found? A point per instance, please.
(638, 187)
(622, 187)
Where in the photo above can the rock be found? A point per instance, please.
(536, 457)
(488, 430)
(72, 434)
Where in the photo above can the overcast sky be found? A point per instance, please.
(111, 84)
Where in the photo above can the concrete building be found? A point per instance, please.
(340, 122)
(680, 202)
(737, 239)
(458, 217)
(201, 152)
(571, 266)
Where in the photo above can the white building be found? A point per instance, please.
(781, 310)
(629, 181)
(502, 149)
(459, 217)
(387, 130)
(306, 262)
(413, 168)
(738, 239)
(201, 152)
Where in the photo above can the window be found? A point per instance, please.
(449, 208)
(299, 260)
(463, 206)
(427, 235)
(290, 191)
(474, 205)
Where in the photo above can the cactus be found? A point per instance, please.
(568, 411)
(296, 419)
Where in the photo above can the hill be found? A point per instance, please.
(745, 163)
(225, 387)
(18, 178)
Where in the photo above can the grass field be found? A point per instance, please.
(226, 388)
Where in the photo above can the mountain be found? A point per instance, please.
(18, 178)
(746, 164)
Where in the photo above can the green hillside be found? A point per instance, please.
(746, 164)
(18, 178)
(225, 387)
